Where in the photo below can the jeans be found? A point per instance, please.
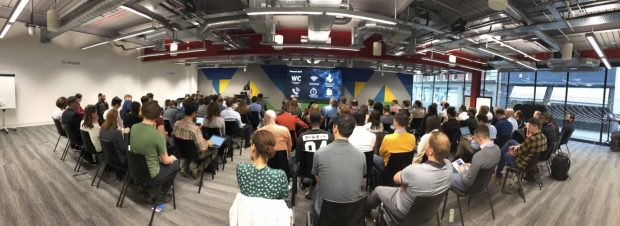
(505, 158)
(387, 196)
(457, 182)
(378, 162)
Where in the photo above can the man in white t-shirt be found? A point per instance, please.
(510, 116)
(361, 138)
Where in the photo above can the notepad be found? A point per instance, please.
(217, 140)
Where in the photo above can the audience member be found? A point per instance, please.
(147, 141)
(78, 109)
(109, 132)
(463, 114)
(486, 111)
(187, 129)
(294, 108)
(331, 110)
(336, 181)
(428, 179)
(203, 104)
(311, 141)
(150, 96)
(257, 179)
(374, 122)
(127, 102)
(431, 120)
(399, 142)
(116, 105)
(255, 107)
(290, 121)
(421, 147)
(395, 108)
(213, 120)
(101, 107)
(231, 115)
(281, 133)
(443, 114)
(452, 128)
(483, 120)
(171, 113)
(90, 124)
(518, 155)
(244, 112)
(550, 130)
(261, 102)
(568, 127)
(343, 109)
(61, 105)
(471, 122)
(354, 106)
(70, 118)
(487, 157)
(133, 117)
(503, 126)
(519, 117)
(537, 114)
(387, 118)
(510, 117)
(361, 138)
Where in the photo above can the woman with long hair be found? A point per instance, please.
(213, 118)
(110, 133)
(257, 179)
(244, 111)
(133, 117)
(431, 120)
(374, 122)
(294, 108)
(90, 124)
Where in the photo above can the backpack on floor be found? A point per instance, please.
(560, 166)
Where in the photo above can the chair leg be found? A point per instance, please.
(540, 185)
(568, 150)
(548, 167)
(96, 173)
(458, 200)
(64, 153)
(468, 201)
(444, 204)
(57, 143)
(504, 183)
(202, 174)
(121, 195)
(520, 189)
(174, 199)
(490, 203)
(152, 215)
(78, 162)
(101, 176)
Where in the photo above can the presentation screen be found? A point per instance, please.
(315, 83)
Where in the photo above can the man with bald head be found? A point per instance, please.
(510, 113)
(283, 139)
(418, 180)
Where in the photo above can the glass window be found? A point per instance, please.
(427, 90)
(522, 95)
(503, 89)
(555, 83)
(456, 90)
(416, 94)
(585, 100)
(489, 86)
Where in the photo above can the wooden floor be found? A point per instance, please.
(37, 188)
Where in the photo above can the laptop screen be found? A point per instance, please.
(217, 140)
(199, 120)
(465, 131)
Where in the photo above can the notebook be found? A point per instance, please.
(217, 140)
(465, 131)
(459, 162)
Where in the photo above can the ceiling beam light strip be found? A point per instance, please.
(597, 48)
(177, 52)
(448, 63)
(130, 35)
(360, 17)
(95, 45)
(19, 7)
(321, 11)
(135, 12)
(323, 47)
(507, 58)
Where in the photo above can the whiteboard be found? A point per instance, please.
(7, 91)
(483, 101)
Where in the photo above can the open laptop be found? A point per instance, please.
(199, 120)
(465, 131)
(217, 140)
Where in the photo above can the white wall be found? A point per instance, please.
(42, 74)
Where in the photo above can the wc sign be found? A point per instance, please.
(296, 79)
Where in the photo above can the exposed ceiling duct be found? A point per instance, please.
(320, 26)
(392, 35)
(84, 13)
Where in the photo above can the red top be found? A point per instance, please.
(290, 121)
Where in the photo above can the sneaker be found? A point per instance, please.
(184, 173)
(309, 193)
(195, 173)
(163, 199)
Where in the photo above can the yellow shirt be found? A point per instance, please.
(396, 143)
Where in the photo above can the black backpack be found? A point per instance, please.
(560, 166)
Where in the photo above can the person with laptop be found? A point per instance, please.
(186, 129)
(487, 157)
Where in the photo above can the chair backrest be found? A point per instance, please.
(74, 135)
(566, 137)
(110, 154)
(59, 128)
(88, 144)
(500, 140)
(305, 163)
(231, 127)
(342, 213)
(369, 155)
(186, 148)
(482, 179)
(397, 162)
(139, 170)
(379, 141)
(416, 123)
(387, 128)
(531, 164)
(208, 132)
(167, 126)
(423, 209)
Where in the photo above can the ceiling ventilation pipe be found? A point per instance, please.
(320, 26)
(392, 35)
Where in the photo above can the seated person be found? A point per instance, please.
(133, 117)
(361, 138)
(171, 113)
(290, 121)
(256, 179)
(486, 158)
(148, 141)
(188, 130)
(213, 120)
(336, 181)
(311, 141)
(503, 126)
(61, 105)
(282, 135)
(90, 124)
(427, 179)
(468, 145)
(399, 142)
(374, 124)
(70, 118)
(229, 114)
(452, 128)
(110, 133)
(516, 155)
(116, 105)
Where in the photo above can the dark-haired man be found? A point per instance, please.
(452, 128)
(568, 127)
(101, 106)
(78, 108)
(361, 138)
(503, 126)
(427, 179)
(399, 142)
(146, 140)
(311, 141)
(337, 181)
(116, 105)
(487, 157)
(229, 114)
(171, 114)
(518, 155)
(72, 119)
(187, 129)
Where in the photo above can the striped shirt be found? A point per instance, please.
(187, 130)
(532, 145)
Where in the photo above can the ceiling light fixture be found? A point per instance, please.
(153, 55)
(325, 47)
(5, 30)
(495, 54)
(275, 13)
(525, 65)
(173, 48)
(135, 12)
(606, 63)
(448, 63)
(597, 48)
(514, 49)
(388, 22)
(94, 45)
(177, 52)
(130, 35)
(19, 7)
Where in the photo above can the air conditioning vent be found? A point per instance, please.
(575, 64)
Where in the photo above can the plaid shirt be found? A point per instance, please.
(532, 145)
(187, 130)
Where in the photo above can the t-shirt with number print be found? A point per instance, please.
(313, 140)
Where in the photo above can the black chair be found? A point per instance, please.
(387, 128)
(139, 171)
(479, 186)
(234, 132)
(546, 156)
(61, 133)
(501, 140)
(564, 140)
(520, 173)
(110, 159)
(422, 210)
(168, 127)
(340, 214)
(416, 123)
(189, 151)
(226, 146)
(75, 139)
(280, 161)
(89, 149)
(254, 119)
(396, 163)
(369, 180)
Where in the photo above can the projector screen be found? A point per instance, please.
(315, 83)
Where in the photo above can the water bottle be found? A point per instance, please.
(451, 219)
